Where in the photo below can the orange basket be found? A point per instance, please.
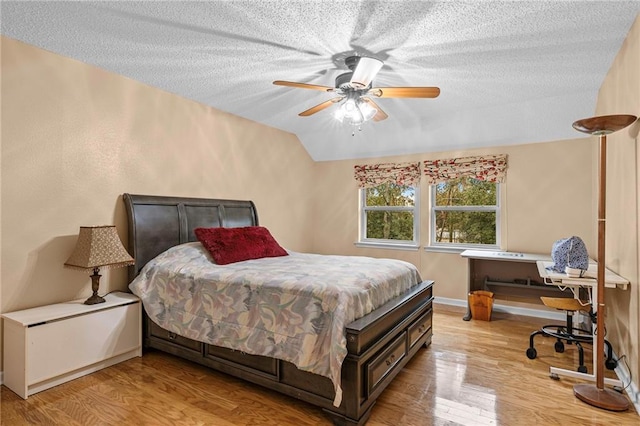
(481, 304)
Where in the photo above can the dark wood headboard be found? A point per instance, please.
(157, 223)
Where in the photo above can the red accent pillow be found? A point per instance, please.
(229, 245)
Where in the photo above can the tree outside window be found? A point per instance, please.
(389, 214)
(465, 212)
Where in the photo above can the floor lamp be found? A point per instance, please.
(597, 395)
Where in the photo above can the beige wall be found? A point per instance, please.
(547, 196)
(74, 138)
(620, 94)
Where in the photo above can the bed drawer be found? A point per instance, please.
(420, 327)
(240, 359)
(158, 332)
(382, 364)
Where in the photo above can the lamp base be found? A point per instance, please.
(94, 299)
(95, 285)
(601, 398)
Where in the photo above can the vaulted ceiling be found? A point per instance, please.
(509, 72)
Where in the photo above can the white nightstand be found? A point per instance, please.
(50, 345)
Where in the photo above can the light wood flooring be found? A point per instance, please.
(474, 373)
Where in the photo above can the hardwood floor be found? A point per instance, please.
(474, 373)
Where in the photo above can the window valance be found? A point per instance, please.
(488, 168)
(370, 175)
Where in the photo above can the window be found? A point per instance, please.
(389, 214)
(465, 213)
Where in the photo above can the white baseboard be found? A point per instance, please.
(514, 310)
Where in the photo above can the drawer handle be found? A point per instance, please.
(422, 328)
(390, 360)
(172, 336)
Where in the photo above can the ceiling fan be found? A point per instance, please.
(354, 91)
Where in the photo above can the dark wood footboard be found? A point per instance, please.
(380, 345)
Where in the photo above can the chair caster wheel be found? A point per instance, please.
(582, 369)
(611, 364)
(559, 346)
(532, 353)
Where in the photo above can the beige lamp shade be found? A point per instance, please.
(99, 247)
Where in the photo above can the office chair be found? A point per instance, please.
(568, 333)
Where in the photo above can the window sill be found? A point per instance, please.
(457, 249)
(391, 246)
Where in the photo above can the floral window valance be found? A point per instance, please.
(370, 175)
(489, 168)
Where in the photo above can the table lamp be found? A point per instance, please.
(597, 395)
(98, 247)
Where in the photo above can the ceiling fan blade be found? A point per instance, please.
(365, 71)
(320, 107)
(404, 92)
(304, 85)
(380, 115)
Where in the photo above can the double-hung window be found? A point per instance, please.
(389, 207)
(465, 201)
(389, 214)
(465, 212)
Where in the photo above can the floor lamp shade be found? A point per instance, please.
(98, 247)
(597, 395)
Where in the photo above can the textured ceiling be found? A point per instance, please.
(509, 72)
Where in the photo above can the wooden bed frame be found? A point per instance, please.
(379, 344)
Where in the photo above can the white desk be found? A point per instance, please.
(611, 279)
(589, 283)
(505, 255)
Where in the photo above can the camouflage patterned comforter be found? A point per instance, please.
(293, 308)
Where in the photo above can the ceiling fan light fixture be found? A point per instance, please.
(349, 106)
(348, 110)
(365, 71)
(368, 111)
(355, 111)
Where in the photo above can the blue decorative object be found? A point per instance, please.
(570, 255)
